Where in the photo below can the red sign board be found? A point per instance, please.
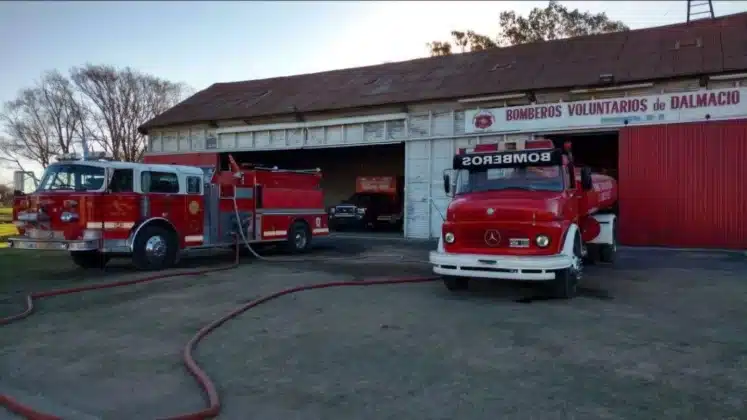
(380, 184)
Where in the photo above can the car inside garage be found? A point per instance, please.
(363, 185)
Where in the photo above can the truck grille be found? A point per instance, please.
(475, 237)
(345, 210)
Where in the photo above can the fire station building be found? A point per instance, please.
(663, 110)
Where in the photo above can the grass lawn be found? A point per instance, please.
(6, 229)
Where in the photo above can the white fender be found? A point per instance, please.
(606, 229)
(568, 241)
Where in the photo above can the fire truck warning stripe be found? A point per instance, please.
(110, 225)
(321, 230)
(313, 212)
(275, 232)
(193, 238)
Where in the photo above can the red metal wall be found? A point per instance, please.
(684, 185)
(194, 159)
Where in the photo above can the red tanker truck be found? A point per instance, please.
(524, 213)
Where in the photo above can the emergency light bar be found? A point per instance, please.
(98, 155)
(517, 159)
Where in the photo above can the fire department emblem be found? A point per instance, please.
(194, 207)
(483, 120)
(492, 237)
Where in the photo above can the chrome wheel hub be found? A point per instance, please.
(577, 268)
(300, 239)
(155, 247)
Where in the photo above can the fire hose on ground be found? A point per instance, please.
(203, 380)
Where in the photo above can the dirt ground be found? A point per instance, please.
(660, 335)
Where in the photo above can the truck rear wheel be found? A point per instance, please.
(608, 252)
(456, 283)
(89, 259)
(155, 248)
(299, 238)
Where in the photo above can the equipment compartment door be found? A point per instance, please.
(194, 212)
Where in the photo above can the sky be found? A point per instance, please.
(201, 43)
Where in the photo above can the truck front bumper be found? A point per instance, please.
(527, 268)
(20, 242)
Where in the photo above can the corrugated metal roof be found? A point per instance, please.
(700, 47)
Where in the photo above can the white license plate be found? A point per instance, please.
(518, 243)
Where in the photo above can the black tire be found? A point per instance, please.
(299, 238)
(155, 248)
(455, 284)
(608, 252)
(565, 284)
(592, 254)
(89, 259)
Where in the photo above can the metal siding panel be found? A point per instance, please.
(417, 189)
(684, 185)
(418, 125)
(443, 124)
(442, 153)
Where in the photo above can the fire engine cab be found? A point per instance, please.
(524, 212)
(97, 209)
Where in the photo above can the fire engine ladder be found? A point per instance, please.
(699, 8)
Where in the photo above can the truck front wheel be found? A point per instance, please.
(565, 284)
(456, 283)
(89, 259)
(155, 248)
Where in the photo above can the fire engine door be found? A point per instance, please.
(194, 212)
(572, 206)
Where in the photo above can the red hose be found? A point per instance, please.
(194, 369)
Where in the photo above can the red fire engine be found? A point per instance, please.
(97, 209)
(526, 213)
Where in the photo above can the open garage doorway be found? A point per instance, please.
(600, 151)
(363, 185)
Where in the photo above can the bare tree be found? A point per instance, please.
(40, 123)
(117, 101)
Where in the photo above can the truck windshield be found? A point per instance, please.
(529, 179)
(73, 177)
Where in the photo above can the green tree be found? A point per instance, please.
(553, 22)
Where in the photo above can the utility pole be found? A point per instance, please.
(699, 8)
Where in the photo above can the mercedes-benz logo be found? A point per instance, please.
(492, 237)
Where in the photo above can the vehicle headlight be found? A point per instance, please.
(449, 238)
(331, 210)
(542, 241)
(361, 210)
(68, 217)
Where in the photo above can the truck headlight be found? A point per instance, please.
(331, 210)
(449, 238)
(361, 210)
(542, 241)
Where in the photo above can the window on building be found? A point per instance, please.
(122, 180)
(159, 182)
(194, 185)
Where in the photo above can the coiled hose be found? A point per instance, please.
(203, 380)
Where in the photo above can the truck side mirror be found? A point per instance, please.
(586, 182)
